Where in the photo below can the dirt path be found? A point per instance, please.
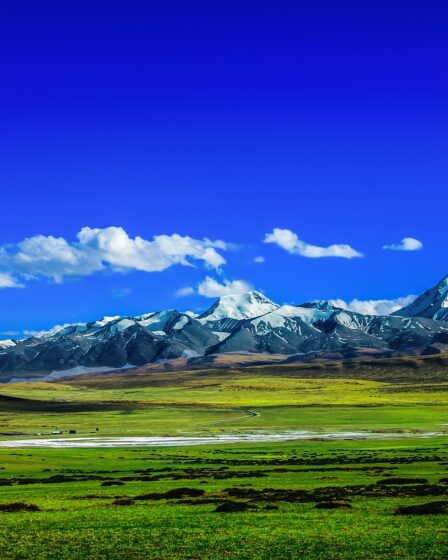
(249, 414)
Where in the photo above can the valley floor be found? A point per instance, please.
(310, 499)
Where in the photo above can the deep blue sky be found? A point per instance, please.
(225, 120)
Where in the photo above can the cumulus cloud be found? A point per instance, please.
(290, 242)
(8, 281)
(211, 288)
(98, 249)
(406, 244)
(184, 292)
(374, 306)
(115, 247)
(120, 293)
(53, 330)
(259, 260)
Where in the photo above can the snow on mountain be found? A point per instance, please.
(104, 321)
(432, 304)
(156, 321)
(281, 317)
(68, 329)
(295, 329)
(191, 314)
(8, 343)
(228, 310)
(121, 325)
(221, 335)
(321, 326)
(442, 315)
(181, 323)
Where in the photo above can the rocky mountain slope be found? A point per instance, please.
(432, 304)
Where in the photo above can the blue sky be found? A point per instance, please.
(218, 122)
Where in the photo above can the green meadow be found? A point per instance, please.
(315, 499)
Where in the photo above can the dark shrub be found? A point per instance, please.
(184, 493)
(333, 504)
(176, 493)
(18, 506)
(123, 501)
(232, 507)
(399, 480)
(431, 508)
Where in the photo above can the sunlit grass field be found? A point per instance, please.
(173, 404)
(305, 499)
(242, 390)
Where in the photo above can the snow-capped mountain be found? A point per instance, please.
(432, 304)
(314, 327)
(111, 342)
(228, 310)
(226, 314)
(248, 323)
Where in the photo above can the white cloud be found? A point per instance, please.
(116, 248)
(98, 249)
(8, 281)
(374, 306)
(49, 332)
(407, 244)
(289, 241)
(259, 260)
(120, 292)
(211, 288)
(183, 292)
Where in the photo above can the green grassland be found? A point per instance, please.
(81, 516)
(201, 402)
(297, 500)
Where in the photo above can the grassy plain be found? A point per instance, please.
(309, 499)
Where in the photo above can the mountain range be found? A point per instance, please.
(247, 323)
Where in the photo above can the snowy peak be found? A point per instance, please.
(432, 304)
(238, 307)
(155, 322)
(8, 343)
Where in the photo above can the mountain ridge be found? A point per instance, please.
(241, 323)
(432, 304)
